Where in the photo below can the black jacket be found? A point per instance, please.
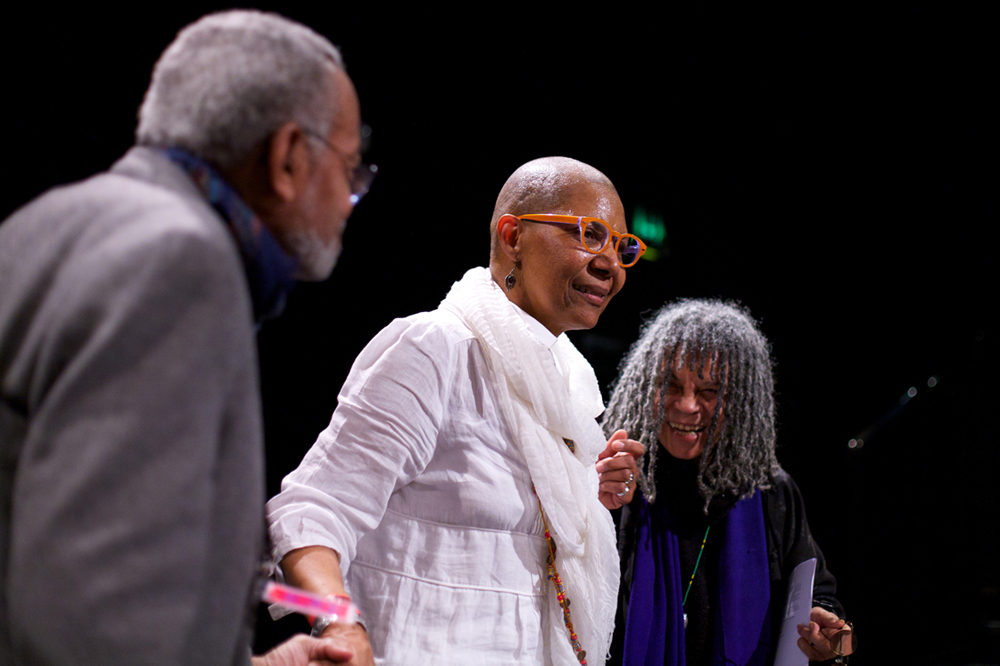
(789, 542)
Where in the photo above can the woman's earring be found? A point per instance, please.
(510, 281)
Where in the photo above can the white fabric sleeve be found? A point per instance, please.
(382, 435)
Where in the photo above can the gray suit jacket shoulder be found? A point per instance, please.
(131, 454)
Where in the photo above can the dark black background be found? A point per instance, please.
(833, 170)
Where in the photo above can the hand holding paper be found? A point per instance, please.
(825, 636)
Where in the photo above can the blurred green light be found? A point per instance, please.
(650, 228)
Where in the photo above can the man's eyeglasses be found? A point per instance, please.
(595, 235)
(360, 177)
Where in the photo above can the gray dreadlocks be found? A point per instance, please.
(739, 451)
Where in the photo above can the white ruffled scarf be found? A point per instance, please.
(542, 407)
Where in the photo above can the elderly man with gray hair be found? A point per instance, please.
(132, 483)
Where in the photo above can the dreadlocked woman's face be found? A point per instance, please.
(688, 406)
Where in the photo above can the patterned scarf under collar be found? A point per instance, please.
(270, 272)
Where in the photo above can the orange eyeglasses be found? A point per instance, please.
(595, 234)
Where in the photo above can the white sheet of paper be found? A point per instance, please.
(797, 609)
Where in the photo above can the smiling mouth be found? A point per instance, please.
(681, 427)
(595, 295)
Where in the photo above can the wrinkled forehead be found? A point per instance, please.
(347, 122)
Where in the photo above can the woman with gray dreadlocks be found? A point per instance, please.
(718, 526)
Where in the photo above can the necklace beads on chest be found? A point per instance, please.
(574, 640)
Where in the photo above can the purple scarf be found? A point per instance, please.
(654, 630)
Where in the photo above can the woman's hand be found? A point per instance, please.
(824, 637)
(317, 570)
(617, 469)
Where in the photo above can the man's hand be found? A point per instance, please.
(815, 637)
(356, 638)
(302, 650)
(617, 470)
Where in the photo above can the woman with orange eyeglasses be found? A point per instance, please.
(461, 491)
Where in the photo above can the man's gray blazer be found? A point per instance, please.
(131, 455)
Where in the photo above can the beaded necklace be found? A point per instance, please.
(691, 582)
(574, 640)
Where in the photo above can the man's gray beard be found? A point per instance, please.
(316, 260)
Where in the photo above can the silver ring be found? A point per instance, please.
(631, 477)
